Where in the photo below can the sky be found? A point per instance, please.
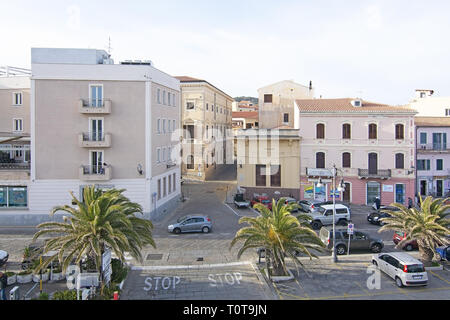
(378, 50)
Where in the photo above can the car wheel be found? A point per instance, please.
(342, 222)
(340, 249)
(398, 282)
(376, 248)
(409, 247)
(205, 229)
(316, 225)
(177, 230)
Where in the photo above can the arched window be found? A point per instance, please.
(320, 160)
(346, 160)
(399, 161)
(372, 131)
(346, 131)
(399, 131)
(320, 131)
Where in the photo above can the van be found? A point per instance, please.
(324, 216)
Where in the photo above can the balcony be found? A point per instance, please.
(95, 173)
(379, 174)
(93, 140)
(94, 107)
(14, 165)
(433, 148)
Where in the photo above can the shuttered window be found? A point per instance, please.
(399, 161)
(320, 131)
(346, 131)
(399, 131)
(372, 131)
(346, 162)
(275, 176)
(320, 160)
(260, 175)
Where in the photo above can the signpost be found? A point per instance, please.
(350, 228)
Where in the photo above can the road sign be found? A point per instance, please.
(350, 228)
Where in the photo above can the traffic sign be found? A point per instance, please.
(350, 228)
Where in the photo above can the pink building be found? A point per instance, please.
(372, 145)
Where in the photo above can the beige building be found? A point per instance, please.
(268, 161)
(276, 103)
(96, 122)
(206, 114)
(429, 105)
(14, 139)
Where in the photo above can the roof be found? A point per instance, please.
(432, 121)
(344, 105)
(403, 257)
(245, 114)
(186, 79)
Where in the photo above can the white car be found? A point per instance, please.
(3, 257)
(404, 269)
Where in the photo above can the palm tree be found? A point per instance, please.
(104, 219)
(427, 225)
(280, 234)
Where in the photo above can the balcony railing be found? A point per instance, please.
(94, 139)
(94, 106)
(95, 173)
(438, 147)
(380, 174)
(14, 165)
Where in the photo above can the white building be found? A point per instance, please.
(429, 105)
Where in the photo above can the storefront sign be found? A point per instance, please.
(388, 188)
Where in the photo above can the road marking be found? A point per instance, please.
(201, 266)
(362, 288)
(438, 276)
(232, 209)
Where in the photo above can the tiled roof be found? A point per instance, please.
(245, 114)
(432, 121)
(344, 105)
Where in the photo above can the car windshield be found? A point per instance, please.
(399, 233)
(181, 219)
(415, 268)
(265, 201)
(321, 209)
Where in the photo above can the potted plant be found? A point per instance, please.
(45, 276)
(57, 274)
(12, 277)
(25, 276)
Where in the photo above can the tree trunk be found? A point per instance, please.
(426, 254)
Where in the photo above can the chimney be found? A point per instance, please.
(310, 85)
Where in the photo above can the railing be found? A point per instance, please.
(93, 136)
(434, 147)
(94, 106)
(378, 174)
(13, 165)
(94, 170)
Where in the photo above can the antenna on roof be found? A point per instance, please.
(109, 46)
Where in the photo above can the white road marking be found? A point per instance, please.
(201, 266)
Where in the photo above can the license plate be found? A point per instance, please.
(417, 277)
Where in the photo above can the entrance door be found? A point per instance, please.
(346, 193)
(373, 191)
(423, 187)
(400, 193)
(97, 162)
(373, 163)
(96, 133)
(439, 189)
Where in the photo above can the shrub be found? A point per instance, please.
(65, 295)
(25, 272)
(43, 296)
(10, 273)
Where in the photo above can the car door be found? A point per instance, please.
(197, 225)
(188, 225)
(382, 263)
(391, 266)
(360, 240)
(328, 217)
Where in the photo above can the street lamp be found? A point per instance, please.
(341, 188)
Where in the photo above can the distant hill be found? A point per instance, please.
(251, 99)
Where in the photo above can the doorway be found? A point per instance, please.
(373, 163)
(346, 194)
(439, 188)
(400, 193)
(423, 187)
(373, 191)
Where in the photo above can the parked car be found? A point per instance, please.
(264, 200)
(375, 217)
(324, 216)
(191, 223)
(240, 202)
(400, 266)
(410, 245)
(3, 257)
(443, 252)
(358, 241)
(309, 205)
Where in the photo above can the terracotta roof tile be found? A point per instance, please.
(432, 121)
(344, 105)
(245, 114)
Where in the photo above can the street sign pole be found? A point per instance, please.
(350, 234)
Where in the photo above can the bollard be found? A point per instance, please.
(116, 295)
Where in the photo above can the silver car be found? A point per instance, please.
(404, 269)
(191, 223)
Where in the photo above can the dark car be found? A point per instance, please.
(443, 252)
(408, 246)
(358, 241)
(375, 217)
(3, 257)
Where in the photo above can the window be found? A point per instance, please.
(190, 162)
(423, 138)
(423, 165)
(346, 160)
(275, 176)
(346, 133)
(422, 94)
(168, 99)
(399, 131)
(320, 131)
(158, 126)
(17, 98)
(164, 126)
(267, 98)
(206, 106)
(13, 197)
(174, 176)
(170, 184)
(447, 112)
(439, 164)
(260, 175)
(158, 95)
(190, 106)
(159, 189)
(286, 117)
(158, 155)
(399, 161)
(163, 154)
(212, 107)
(169, 154)
(164, 186)
(164, 96)
(320, 160)
(372, 131)
(173, 125)
(96, 96)
(18, 124)
(168, 125)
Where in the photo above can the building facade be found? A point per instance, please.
(433, 156)
(429, 105)
(372, 146)
(276, 103)
(206, 114)
(96, 122)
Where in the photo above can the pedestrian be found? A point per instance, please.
(377, 203)
(410, 203)
(3, 284)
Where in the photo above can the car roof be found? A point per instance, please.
(330, 206)
(404, 257)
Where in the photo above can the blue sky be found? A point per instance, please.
(380, 50)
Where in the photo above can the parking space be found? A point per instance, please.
(235, 281)
(357, 280)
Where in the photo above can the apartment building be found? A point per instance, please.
(276, 103)
(14, 139)
(268, 161)
(371, 144)
(245, 120)
(206, 114)
(433, 156)
(429, 105)
(96, 122)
